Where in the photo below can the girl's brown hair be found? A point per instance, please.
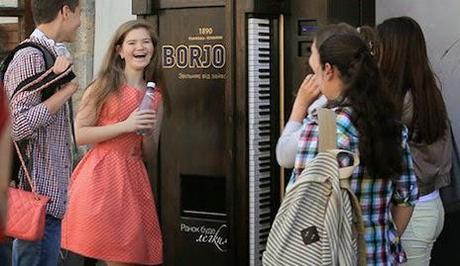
(374, 114)
(111, 74)
(405, 66)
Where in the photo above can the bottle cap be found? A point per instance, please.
(151, 84)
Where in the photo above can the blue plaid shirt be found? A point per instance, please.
(375, 195)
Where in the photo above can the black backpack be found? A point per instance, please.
(49, 62)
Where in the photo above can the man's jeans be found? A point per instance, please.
(40, 253)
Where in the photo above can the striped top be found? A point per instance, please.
(375, 195)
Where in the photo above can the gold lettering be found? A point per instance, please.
(205, 30)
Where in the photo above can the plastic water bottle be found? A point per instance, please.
(147, 102)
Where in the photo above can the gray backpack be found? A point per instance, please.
(319, 221)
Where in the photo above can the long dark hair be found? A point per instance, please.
(405, 65)
(374, 114)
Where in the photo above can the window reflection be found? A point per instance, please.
(9, 3)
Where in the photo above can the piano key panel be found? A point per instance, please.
(262, 115)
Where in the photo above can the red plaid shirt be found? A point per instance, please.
(48, 136)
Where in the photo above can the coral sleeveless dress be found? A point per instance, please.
(111, 213)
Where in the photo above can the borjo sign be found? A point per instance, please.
(193, 56)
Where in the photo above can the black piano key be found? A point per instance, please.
(266, 205)
(264, 230)
(264, 113)
(265, 215)
(265, 194)
(264, 76)
(264, 185)
(265, 149)
(265, 220)
(264, 70)
(263, 86)
(265, 170)
(265, 179)
(264, 166)
(263, 159)
(263, 49)
(264, 97)
(266, 182)
(263, 236)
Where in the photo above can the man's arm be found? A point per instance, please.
(28, 112)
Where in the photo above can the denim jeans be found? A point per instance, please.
(3, 256)
(424, 227)
(44, 252)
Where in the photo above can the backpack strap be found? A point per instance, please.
(327, 130)
(47, 55)
(328, 142)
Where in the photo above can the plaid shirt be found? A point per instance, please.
(375, 195)
(3, 112)
(48, 146)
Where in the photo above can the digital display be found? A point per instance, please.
(307, 27)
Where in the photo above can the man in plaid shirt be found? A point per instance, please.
(43, 124)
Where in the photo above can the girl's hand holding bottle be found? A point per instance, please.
(141, 120)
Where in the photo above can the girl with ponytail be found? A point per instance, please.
(367, 123)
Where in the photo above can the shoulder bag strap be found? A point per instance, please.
(26, 172)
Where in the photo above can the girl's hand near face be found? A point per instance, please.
(140, 120)
(308, 92)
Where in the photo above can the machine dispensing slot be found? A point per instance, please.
(304, 48)
(203, 197)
